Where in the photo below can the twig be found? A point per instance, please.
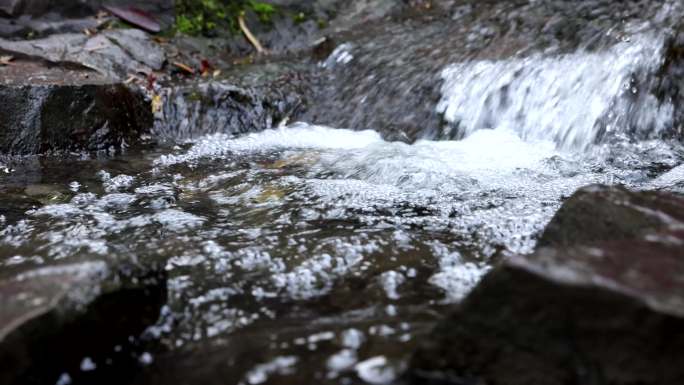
(184, 67)
(252, 39)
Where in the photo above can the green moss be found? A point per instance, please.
(265, 11)
(322, 24)
(207, 17)
(189, 26)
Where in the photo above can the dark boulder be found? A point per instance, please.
(19, 7)
(51, 109)
(54, 317)
(608, 309)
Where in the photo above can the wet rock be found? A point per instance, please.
(48, 24)
(602, 303)
(386, 76)
(597, 213)
(114, 53)
(672, 181)
(250, 99)
(49, 109)
(53, 317)
(17, 7)
(670, 83)
(138, 46)
(40, 18)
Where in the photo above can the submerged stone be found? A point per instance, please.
(602, 303)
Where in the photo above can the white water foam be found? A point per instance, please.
(568, 99)
(493, 186)
(295, 136)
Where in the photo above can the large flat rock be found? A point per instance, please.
(602, 303)
(115, 53)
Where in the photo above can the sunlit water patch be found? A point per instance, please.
(336, 247)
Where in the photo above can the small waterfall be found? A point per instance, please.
(574, 99)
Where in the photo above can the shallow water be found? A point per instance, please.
(310, 253)
(309, 236)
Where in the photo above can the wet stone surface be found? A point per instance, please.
(499, 40)
(602, 302)
(62, 110)
(53, 317)
(244, 99)
(114, 54)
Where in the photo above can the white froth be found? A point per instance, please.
(564, 98)
(297, 136)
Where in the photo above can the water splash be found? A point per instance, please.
(574, 99)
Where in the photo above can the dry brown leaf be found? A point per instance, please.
(6, 60)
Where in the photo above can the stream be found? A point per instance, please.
(315, 254)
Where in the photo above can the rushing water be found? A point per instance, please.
(328, 253)
(581, 97)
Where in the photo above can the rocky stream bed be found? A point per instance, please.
(398, 192)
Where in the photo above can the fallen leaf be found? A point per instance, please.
(135, 16)
(156, 103)
(6, 60)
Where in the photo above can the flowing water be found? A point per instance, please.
(309, 253)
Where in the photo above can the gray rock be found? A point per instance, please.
(251, 99)
(18, 7)
(607, 310)
(392, 82)
(14, 8)
(138, 46)
(115, 54)
(597, 213)
(50, 109)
